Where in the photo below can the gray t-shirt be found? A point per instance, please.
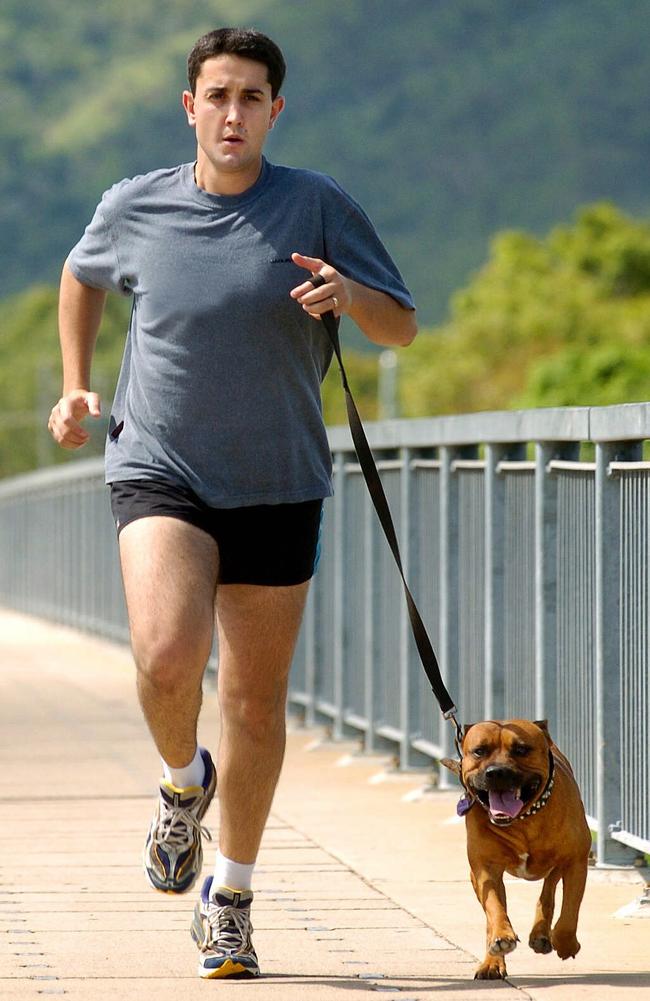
(219, 388)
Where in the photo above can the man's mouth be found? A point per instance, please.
(232, 140)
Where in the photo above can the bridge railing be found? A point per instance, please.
(528, 559)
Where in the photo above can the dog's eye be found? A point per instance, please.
(521, 750)
(479, 752)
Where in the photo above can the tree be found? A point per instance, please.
(563, 320)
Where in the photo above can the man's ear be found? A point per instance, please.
(188, 104)
(451, 764)
(276, 108)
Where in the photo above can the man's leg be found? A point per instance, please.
(170, 570)
(258, 628)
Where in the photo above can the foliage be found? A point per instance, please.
(362, 373)
(559, 321)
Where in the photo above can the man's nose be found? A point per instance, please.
(234, 114)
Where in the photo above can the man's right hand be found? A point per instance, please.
(65, 420)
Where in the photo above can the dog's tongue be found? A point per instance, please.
(505, 803)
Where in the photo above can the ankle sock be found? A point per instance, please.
(234, 875)
(191, 775)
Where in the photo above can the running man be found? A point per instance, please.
(216, 455)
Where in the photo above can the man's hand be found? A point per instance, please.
(381, 318)
(335, 294)
(65, 420)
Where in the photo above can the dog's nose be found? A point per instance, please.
(498, 776)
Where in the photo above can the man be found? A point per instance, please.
(217, 455)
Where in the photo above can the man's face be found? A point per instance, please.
(232, 112)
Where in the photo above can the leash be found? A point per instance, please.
(378, 497)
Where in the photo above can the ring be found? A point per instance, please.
(335, 301)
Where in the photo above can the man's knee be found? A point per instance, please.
(168, 663)
(262, 714)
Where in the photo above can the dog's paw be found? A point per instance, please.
(565, 943)
(502, 946)
(492, 968)
(540, 944)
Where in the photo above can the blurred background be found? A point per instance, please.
(501, 148)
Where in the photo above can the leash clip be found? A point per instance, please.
(458, 739)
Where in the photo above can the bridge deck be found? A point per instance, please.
(361, 885)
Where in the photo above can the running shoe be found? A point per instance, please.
(173, 853)
(222, 931)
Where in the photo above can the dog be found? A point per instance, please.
(524, 816)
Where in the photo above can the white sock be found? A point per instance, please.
(191, 775)
(234, 875)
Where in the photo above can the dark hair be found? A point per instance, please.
(245, 42)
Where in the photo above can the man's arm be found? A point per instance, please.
(80, 314)
(381, 318)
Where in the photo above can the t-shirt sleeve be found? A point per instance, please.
(95, 260)
(355, 249)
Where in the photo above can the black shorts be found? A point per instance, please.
(271, 544)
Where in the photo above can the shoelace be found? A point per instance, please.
(175, 827)
(228, 928)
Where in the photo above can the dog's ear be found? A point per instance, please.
(543, 725)
(451, 764)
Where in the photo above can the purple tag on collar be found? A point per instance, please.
(464, 805)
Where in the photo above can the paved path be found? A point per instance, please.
(362, 884)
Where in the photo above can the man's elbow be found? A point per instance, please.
(408, 329)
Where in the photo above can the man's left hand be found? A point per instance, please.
(334, 295)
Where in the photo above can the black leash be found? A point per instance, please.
(378, 497)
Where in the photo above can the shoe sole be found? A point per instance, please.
(228, 970)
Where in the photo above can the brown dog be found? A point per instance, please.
(524, 816)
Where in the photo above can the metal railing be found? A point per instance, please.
(532, 575)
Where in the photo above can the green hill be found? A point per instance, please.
(447, 120)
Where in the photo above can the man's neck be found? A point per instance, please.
(224, 182)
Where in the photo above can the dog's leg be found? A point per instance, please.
(540, 936)
(501, 939)
(563, 935)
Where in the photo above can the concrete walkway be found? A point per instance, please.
(362, 883)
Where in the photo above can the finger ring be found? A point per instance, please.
(335, 301)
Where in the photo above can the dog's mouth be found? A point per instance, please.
(504, 805)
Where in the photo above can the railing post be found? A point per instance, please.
(369, 605)
(339, 585)
(494, 699)
(608, 640)
(546, 576)
(448, 598)
(406, 534)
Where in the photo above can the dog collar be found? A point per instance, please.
(467, 801)
(540, 803)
